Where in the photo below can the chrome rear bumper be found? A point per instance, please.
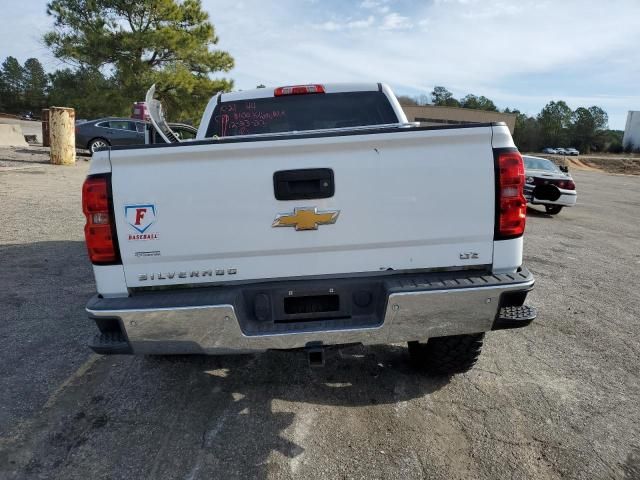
(215, 321)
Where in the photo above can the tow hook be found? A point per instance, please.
(315, 357)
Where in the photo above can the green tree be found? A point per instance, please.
(443, 97)
(588, 128)
(167, 42)
(478, 103)
(600, 118)
(554, 121)
(613, 141)
(35, 85)
(89, 92)
(11, 85)
(526, 134)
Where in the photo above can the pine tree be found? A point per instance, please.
(11, 85)
(167, 42)
(35, 85)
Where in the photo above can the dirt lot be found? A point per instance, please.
(628, 165)
(625, 164)
(560, 399)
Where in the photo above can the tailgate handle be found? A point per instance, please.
(303, 184)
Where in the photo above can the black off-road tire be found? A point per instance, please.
(446, 355)
(553, 209)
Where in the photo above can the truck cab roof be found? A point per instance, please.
(267, 92)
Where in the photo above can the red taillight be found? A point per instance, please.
(298, 90)
(511, 211)
(98, 231)
(567, 184)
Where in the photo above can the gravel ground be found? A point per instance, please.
(13, 158)
(23, 157)
(560, 399)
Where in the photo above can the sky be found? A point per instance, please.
(519, 53)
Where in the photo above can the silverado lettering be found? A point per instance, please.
(195, 273)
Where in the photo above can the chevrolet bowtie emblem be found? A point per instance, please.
(306, 218)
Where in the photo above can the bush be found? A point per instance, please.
(615, 147)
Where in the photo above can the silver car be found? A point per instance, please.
(572, 151)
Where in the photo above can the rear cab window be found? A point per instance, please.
(532, 163)
(300, 112)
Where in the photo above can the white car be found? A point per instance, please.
(571, 151)
(546, 184)
(560, 151)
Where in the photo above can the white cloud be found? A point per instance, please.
(332, 26)
(380, 6)
(395, 21)
(424, 23)
(329, 26)
(365, 23)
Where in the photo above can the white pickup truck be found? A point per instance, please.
(304, 217)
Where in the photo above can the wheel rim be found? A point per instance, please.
(96, 144)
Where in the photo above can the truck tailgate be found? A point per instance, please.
(404, 200)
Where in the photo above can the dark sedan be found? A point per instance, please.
(548, 185)
(106, 132)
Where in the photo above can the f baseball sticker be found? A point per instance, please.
(140, 217)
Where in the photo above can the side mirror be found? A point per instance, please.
(564, 168)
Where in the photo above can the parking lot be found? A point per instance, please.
(559, 399)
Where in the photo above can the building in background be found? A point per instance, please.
(632, 131)
(431, 115)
